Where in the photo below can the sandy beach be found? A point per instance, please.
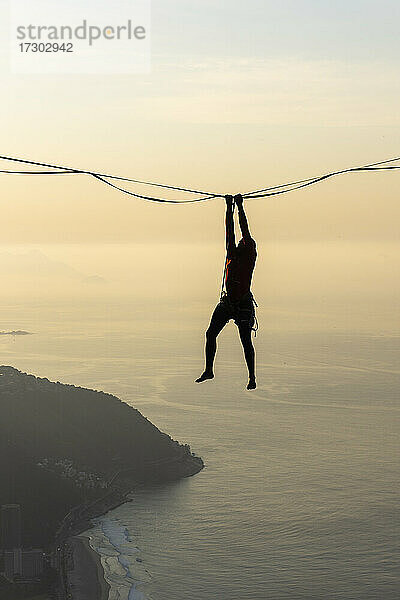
(86, 580)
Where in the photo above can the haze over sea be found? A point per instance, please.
(299, 497)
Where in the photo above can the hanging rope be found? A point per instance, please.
(263, 193)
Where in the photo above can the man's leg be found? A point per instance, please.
(218, 321)
(245, 338)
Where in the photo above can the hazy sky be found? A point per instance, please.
(241, 95)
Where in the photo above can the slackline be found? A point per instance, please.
(262, 193)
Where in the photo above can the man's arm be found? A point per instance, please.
(230, 226)
(244, 226)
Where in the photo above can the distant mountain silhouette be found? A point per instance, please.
(35, 264)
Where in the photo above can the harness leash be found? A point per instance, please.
(256, 325)
(223, 286)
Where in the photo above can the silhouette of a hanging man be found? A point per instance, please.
(237, 302)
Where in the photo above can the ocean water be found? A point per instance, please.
(299, 496)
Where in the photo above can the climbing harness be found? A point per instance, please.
(256, 325)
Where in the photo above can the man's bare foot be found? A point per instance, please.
(206, 375)
(252, 384)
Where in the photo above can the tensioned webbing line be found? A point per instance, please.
(263, 193)
(295, 185)
(103, 177)
(70, 170)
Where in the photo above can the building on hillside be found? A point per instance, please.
(21, 564)
(32, 563)
(24, 565)
(11, 527)
(13, 563)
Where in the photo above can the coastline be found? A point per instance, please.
(82, 570)
(86, 580)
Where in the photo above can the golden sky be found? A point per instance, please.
(238, 98)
